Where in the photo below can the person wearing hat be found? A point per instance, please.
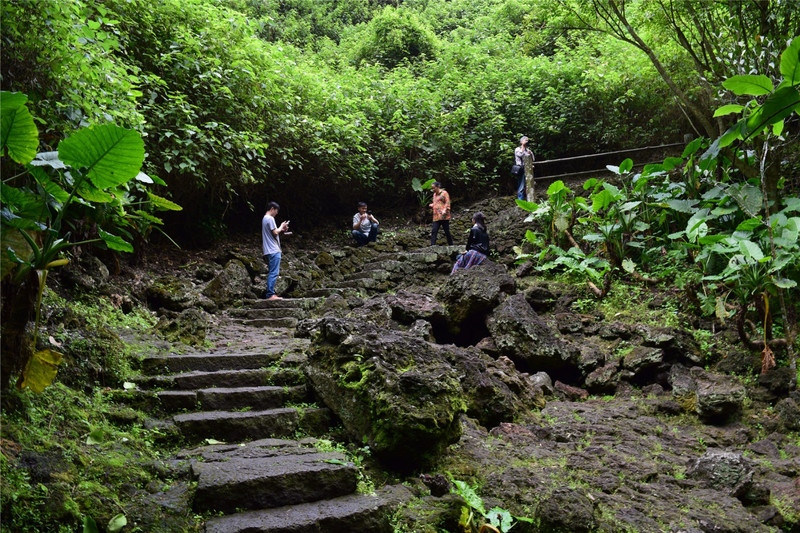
(523, 159)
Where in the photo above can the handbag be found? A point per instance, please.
(516, 170)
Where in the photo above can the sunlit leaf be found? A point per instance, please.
(18, 131)
(728, 109)
(114, 242)
(89, 525)
(96, 437)
(790, 63)
(749, 84)
(117, 523)
(112, 155)
(40, 371)
(163, 203)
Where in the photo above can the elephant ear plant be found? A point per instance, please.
(88, 182)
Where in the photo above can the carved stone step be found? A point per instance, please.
(263, 482)
(234, 426)
(355, 512)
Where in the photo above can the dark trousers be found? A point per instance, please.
(445, 225)
(362, 239)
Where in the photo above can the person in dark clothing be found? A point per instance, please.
(477, 244)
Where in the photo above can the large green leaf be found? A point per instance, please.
(112, 155)
(777, 107)
(753, 85)
(790, 63)
(18, 132)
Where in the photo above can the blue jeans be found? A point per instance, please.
(274, 265)
(521, 187)
(362, 239)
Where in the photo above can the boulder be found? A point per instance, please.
(172, 294)
(789, 413)
(392, 390)
(718, 397)
(604, 379)
(722, 470)
(230, 284)
(567, 509)
(189, 326)
(474, 291)
(519, 333)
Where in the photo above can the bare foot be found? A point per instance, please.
(274, 297)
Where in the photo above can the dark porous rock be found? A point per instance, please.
(542, 381)
(719, 398)
(643, 362)
(325, 260)
(335, 304)
(615, 330)
(206, 271)
(391, 389)
(678, 344)
(682, 383)
(789, 413)
(488, 346)
(494, 390)
(569, 323)
(567, 509)
(590, 358)
(189, 326)
(431, 514)
(520, 334)
(407, 307)
(474, 291)
(722, 470)
(775, 384)
(423, 330)
(604, 379)
(568, 392)
(172, 294)
(541, 299)
(231, 284)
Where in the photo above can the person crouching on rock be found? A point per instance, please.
(365, 226)
(477, 244)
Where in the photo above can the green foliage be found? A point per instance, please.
(701, 211)
(394, 36)
(56, 194)
(497, 517)
(66, 476)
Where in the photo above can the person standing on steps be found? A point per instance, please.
(365, 226)
(441, 212)
(523, 160)
(271, 245)
(477, 244)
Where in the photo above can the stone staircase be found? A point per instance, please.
(248, 405)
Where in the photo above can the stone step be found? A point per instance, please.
(166, 364)
(274, 481)
(270, 323)
(366, 283)
(298, 303)
(355, 512)
(227, 399)
(272, 312)
(255, 377)
(232, 426)
(328, 291)
(375, 275)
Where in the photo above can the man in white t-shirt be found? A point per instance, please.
(271, 245)
(365, 226)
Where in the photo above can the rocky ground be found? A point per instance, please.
(549, 407)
